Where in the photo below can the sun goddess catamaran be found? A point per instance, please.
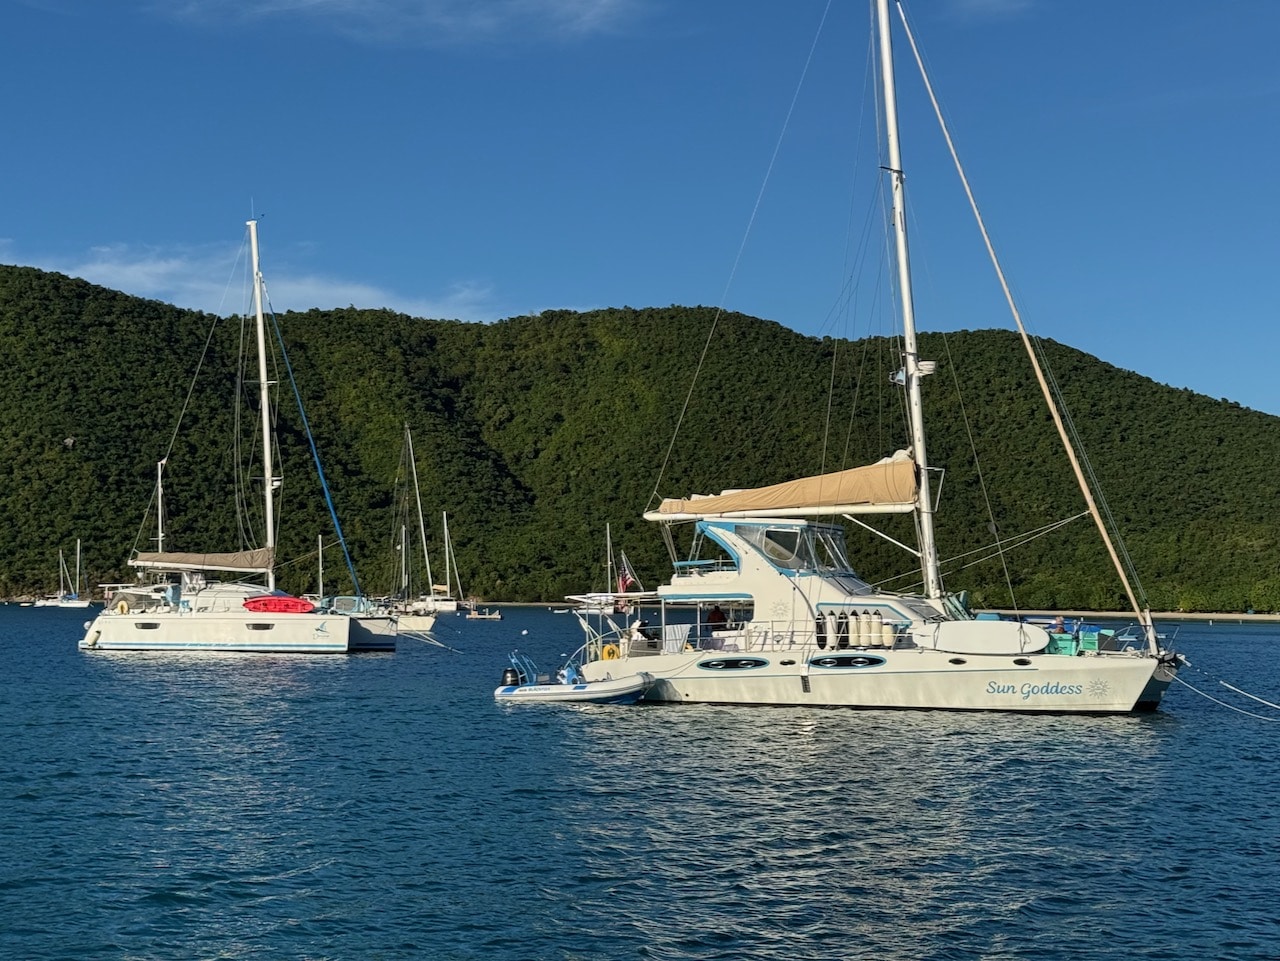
(767, 608)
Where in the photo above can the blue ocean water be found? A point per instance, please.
(384, 807)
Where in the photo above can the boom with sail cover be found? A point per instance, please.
(888, 486)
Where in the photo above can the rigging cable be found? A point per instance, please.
(1123, 570)
(654, 497)
(982, 480)
(173, 437)
(311, 441)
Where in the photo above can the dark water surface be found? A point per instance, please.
(383, 806)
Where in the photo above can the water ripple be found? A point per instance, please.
(385, 807)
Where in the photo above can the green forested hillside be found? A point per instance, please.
(536, 432)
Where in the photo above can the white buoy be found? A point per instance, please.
(877, 628)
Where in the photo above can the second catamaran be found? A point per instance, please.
(767, 609)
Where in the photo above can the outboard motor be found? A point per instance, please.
(510, 677)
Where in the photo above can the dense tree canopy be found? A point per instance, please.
(536, 432)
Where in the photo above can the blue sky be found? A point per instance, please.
(483, 159)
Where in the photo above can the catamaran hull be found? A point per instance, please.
(372, 632)
(416, 623)
(230, 631)
(909, 679)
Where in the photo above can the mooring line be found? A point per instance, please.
(1252, 697)
(1229, 707)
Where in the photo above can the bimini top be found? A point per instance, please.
(885, 487)
(244, 562)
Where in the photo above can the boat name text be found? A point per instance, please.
(1031, 690)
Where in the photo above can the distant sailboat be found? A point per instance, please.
(71, 597)
(186, 608)
(415, 614)
(68, 586)
(443, 596)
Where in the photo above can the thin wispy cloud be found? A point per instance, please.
(212, 279)
(423, 22)
(465, 300)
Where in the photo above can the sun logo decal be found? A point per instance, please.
(1098, 689)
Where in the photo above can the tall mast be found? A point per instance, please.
(264, 393)
(911, 361)
(160, 506)
(449, 559)
(422, 527)
(404, 563)
(610, 584)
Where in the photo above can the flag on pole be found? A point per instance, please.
(627, 576)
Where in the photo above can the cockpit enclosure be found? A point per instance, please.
(807, 547)
(791, 547)
(798, 547)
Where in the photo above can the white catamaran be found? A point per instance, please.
(185, 608)
(801, 628)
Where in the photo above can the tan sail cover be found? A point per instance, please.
(888, 485)
(241, 561)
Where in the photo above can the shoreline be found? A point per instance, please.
(1234, 617)
(1211, 616)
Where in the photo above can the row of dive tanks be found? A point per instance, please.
(865, 629)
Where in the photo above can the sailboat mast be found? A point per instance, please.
(610, 584)
(264, 393)
(449, 559)
(911, 359)
(160, 506)
(404, 563)
(1142, 611)
(448, 554)
(422, 527)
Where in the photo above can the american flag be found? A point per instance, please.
(627, 577)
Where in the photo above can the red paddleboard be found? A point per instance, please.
(278, 604)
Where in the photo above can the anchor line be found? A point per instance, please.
(1252, 697)
(426, 638)
(1221, 703)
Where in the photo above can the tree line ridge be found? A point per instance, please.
(536, 432)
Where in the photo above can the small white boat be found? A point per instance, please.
(522, 682)
(68, 587)
(484, 614)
